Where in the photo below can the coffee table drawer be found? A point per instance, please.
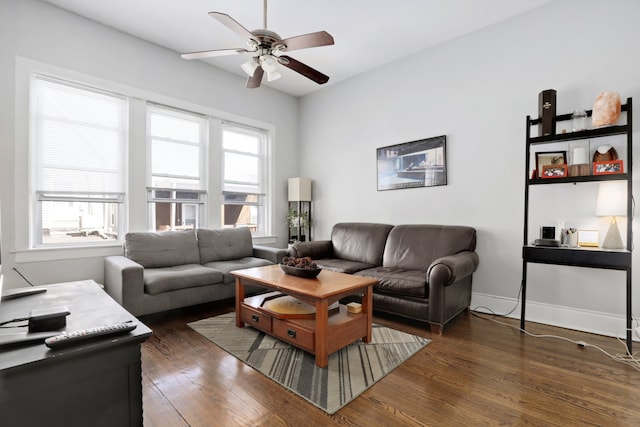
(294, 334)
(255, 319)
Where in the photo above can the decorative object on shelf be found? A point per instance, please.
(605, 153)
(547, 232)
(579, 120)
(569, 237)
(421, 163)
(547, 112)
(608, 168)
(588, 238)
(299, 210)
(552, 158)
(555, 171)
(579, 164)
(606, 109)
(612, 201)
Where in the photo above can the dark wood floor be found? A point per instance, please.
(477, 373)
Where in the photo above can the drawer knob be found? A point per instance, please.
(291, 333)
(255, 318)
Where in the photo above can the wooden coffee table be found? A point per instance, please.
(322, 335)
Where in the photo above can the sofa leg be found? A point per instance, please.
(435, 329)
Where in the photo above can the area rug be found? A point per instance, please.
(350, 372)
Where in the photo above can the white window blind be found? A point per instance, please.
(79, 139)
(243, 160)
(176, 141)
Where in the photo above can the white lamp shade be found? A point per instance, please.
(250, 66)
(268, 63)
(299, 189)
(612, 199)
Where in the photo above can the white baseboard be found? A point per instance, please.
(595, 322)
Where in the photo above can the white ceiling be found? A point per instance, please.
(367, 33)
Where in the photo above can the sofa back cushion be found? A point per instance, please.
(224, 244)
(166, 249)
(416, 246)
(359, 241)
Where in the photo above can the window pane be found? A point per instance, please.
(241, 142)
(178, 128)
(239, 168)
(240, 216)
(181, 211)
(169, 158)
(74, 222)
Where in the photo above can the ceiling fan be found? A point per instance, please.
(267, 49)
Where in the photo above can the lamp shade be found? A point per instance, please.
(612, 199)
(299, 189)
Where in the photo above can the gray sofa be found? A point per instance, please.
(173, 269)
(424, 272)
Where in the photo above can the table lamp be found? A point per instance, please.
(612, 201)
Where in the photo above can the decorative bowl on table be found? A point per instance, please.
(300, 267)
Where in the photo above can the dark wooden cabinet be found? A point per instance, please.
(578, 256)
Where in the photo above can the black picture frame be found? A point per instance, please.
(549, 158)
(421, 163)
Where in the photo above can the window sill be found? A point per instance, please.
(61, 253)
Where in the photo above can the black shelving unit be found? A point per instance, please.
(580, 257)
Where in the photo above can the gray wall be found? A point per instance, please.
(41, 32)
(477, 90)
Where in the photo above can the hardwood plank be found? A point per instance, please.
(477, 373)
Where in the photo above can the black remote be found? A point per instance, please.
(65, 339)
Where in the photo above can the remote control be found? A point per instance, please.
(65, 339)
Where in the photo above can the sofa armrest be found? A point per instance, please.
(274, 255)
(123, 281)
(318, 249)
(451, 268)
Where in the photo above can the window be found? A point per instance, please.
(78, 135)
(176, 190)
(244, 178)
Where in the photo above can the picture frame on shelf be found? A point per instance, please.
(549, 158)
(609, 167)
(554, 171)
(588, 238)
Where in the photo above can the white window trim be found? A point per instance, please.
(135, 216)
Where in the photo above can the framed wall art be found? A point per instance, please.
(421, 163)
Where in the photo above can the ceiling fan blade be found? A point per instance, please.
(211, 53)
(303, 69)
(255, 80)
(232, 24)
(320, 38)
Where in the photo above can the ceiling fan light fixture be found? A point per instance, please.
(250, 66)
(268, 64)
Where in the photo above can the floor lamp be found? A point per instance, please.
(612, 201)
(300, 191)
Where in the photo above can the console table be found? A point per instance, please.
(92, 383)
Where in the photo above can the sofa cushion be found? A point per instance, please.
(158, 280)
(341, 265)
(361, 242)
(416, 246)
(398, 281)
(166, 249)
(224, 244)
(226, 267)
